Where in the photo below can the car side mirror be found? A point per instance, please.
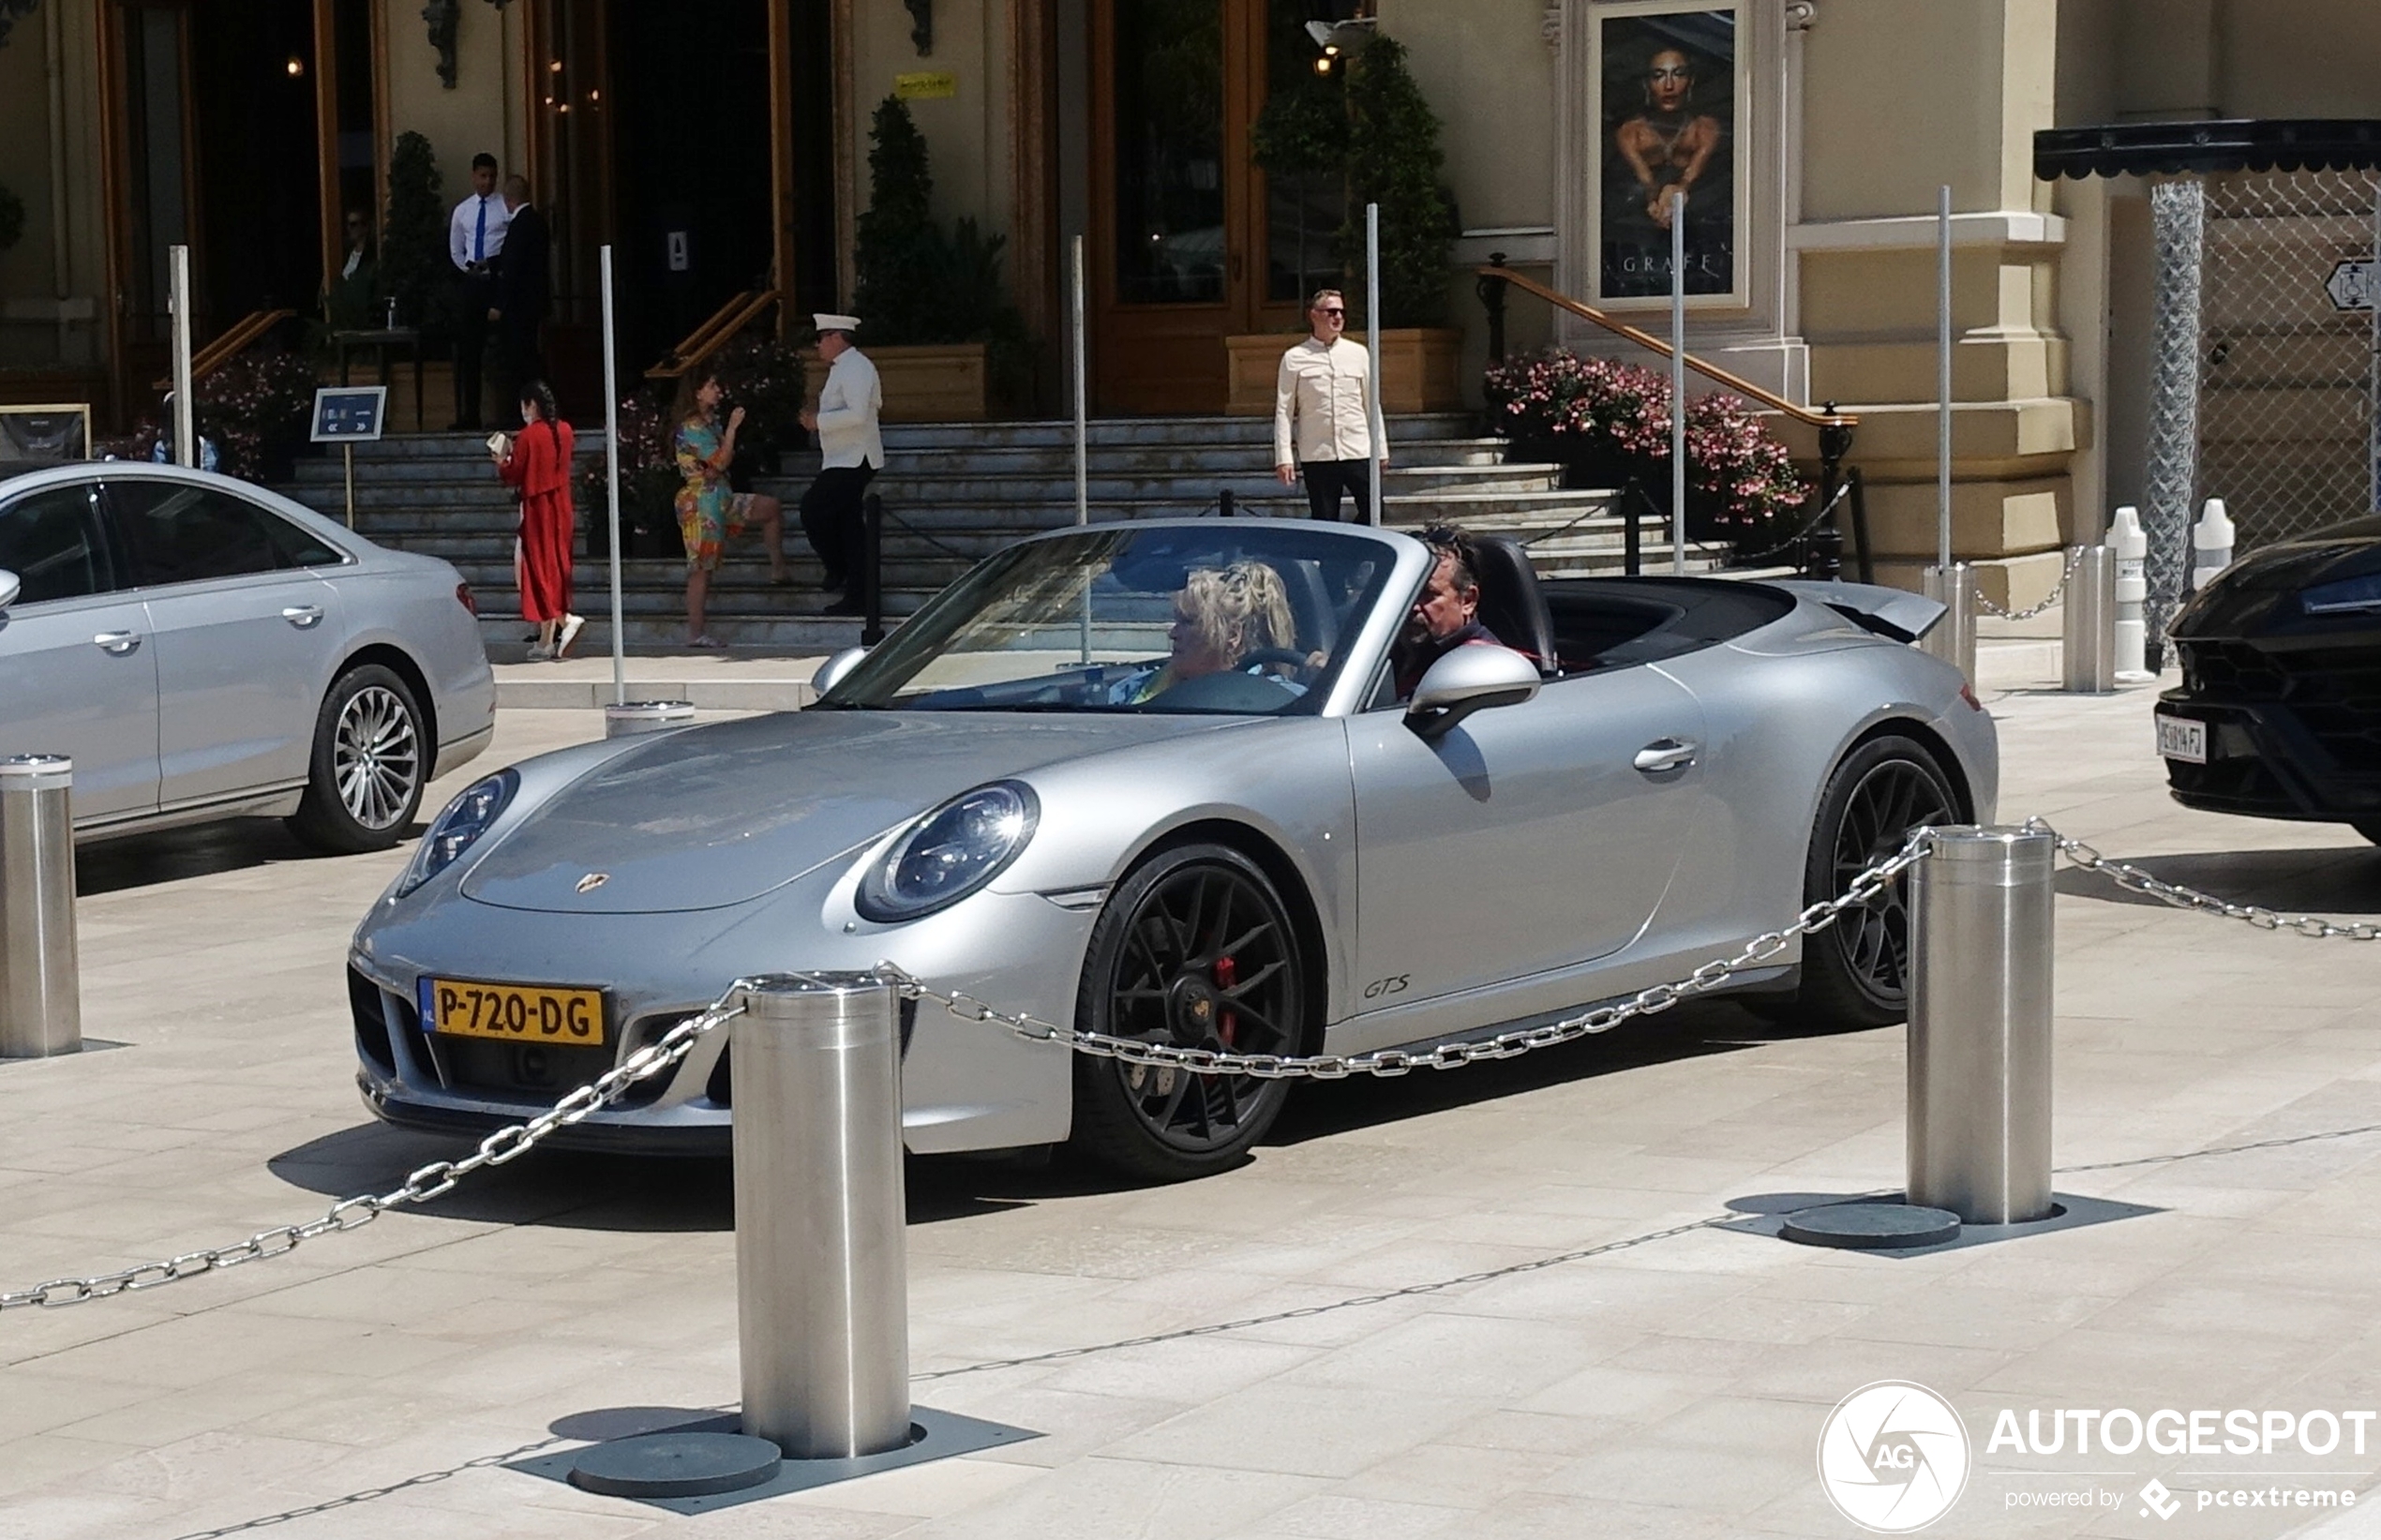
(1472, 678)
(831, 672)
(9, 589)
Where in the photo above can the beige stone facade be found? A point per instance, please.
(1853, 114)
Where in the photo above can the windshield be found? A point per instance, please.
(1238, 618)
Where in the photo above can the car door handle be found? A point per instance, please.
(1665, 754)
(304, 617)
(120, 643)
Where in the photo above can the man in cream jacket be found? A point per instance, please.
(1322, 412)
(851, 452)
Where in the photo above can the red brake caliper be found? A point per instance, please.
(1227, 973)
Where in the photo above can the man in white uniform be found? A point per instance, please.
(851, 451)
(1322, 412)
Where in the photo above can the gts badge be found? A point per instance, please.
(1382, 989)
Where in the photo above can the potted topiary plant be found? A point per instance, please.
(1385, 150)
(935, 315)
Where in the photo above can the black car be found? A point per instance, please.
(2279, 715)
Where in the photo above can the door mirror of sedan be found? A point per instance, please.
(9, 587)
(1473, 678)
(831, 672)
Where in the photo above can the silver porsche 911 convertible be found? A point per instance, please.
(1176, 780)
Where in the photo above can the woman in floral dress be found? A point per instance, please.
(708, 512)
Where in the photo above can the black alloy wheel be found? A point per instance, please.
(1195, 948)
(1856, 972)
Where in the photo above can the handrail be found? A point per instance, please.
(1647, 339)
(714, 334)
(230, 344)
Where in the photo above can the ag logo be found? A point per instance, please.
(1892, 1457)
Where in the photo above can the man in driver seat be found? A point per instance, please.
(1445, 614)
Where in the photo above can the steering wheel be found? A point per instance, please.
(1264, 657)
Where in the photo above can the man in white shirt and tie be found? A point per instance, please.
(1322, 416)
(851, 450)
(474, 239)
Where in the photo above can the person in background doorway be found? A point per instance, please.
(474, 242)
(536, 462)
(347, 298)
(524, 287)
(162, 452)
(851, 451)
(709, 512)
(1322, 414)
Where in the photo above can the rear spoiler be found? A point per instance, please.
(1895, 614)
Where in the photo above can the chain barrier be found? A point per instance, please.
(512, 1142)
(1746, 559)
(2134, 879)
(2074, 557)
(1389, 1062)
(434, 1180)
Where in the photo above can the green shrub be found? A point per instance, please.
(414, 264)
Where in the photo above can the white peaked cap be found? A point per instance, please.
(834, 324)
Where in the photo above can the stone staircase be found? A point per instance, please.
(953, 494)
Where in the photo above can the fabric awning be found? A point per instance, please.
(2231, 144)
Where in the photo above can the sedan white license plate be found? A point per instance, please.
(2179, 738)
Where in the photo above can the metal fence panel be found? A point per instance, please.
(2287, 378)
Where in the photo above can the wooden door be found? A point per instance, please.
(1181, 250)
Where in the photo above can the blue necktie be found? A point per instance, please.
(479, 236)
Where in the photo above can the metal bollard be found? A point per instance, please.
(821, 1253)
(1953, 638)
(40, 999)
(632, 717)
(1980, 1010)
(2088, 645)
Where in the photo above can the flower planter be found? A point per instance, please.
(924, 383)
(1420, 369)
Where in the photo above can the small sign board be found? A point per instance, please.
(349, 414)
(2351, 286)
(925, 85)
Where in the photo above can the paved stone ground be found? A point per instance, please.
(372, 1384)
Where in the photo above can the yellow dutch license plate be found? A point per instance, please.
(531, 1013)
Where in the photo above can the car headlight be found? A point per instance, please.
(2348, 596)
(951, 852)
(465, 820)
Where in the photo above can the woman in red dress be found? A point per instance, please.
(537, 460)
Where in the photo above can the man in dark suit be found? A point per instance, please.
(524, 288)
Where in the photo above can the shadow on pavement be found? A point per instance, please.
(201, 850)
(1691, 1030)
(576, 1189)
(2343, 880)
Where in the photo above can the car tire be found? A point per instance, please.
(1856, 972)
(1194, 947)
(370, 762)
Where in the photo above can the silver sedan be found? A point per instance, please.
(1165, 780)
(204, 647)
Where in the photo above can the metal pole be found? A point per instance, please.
(611, 479)
(40, 1005)
(2087, 650)
(821, 1268)
(1678, 384)
(1082, 399)
(1376, 423)
(2177, 226)
(628, 718)
(871, 566)
(1979, 1009)
(1942, 377)
(186, 414)
(348, 451)
(1953, 638)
